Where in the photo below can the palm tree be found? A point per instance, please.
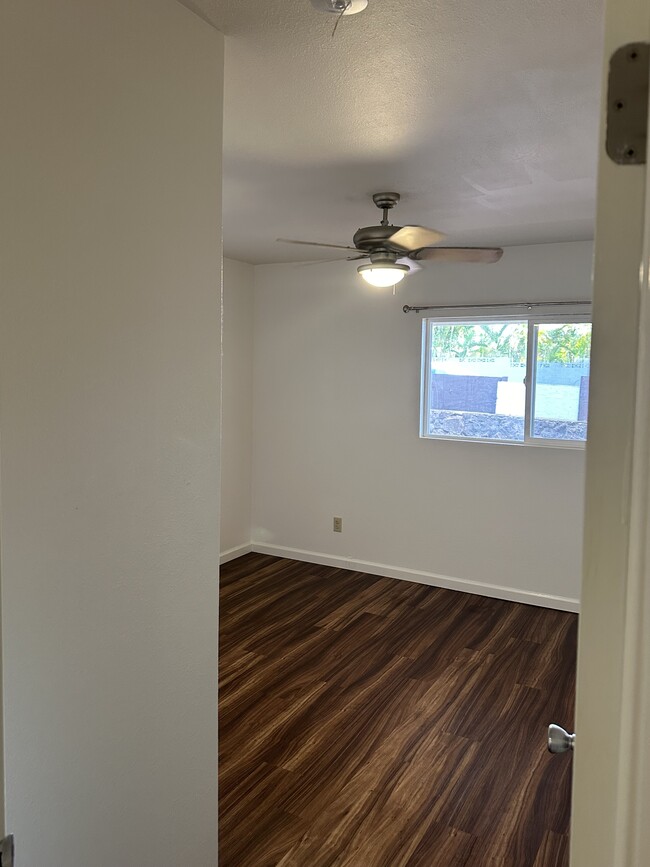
(563, 343)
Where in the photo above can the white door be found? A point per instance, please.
(611, 795)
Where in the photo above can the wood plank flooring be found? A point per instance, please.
(370, 722)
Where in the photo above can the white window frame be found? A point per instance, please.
(533, 319)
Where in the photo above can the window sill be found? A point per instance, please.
(573, 445)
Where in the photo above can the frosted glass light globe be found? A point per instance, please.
(383, 275)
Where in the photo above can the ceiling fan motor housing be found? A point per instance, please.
(372, 238)
(375, 239)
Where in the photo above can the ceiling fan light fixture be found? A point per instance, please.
(340, 7)
(382, 275)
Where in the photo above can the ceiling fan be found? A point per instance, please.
(394, 250)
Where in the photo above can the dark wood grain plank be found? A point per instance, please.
(369, 722)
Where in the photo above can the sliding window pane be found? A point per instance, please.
(561, 396)
(476, 378)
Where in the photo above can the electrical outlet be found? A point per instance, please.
(338, 525)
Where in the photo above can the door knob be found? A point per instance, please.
(559, 740)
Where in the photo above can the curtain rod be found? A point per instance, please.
(527, 304)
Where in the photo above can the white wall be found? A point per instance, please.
(237, 408)
(336, 396)
(109, 394)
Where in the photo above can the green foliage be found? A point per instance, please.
(564, 343)
(560, 343)
(483, 340)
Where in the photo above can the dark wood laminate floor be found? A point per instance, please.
(370, 722)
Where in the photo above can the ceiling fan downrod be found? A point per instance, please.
(385, 201)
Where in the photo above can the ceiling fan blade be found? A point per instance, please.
(482, 255)
(338, 259)
(314, 262)
(413, 266)
(415, 237)
(318, 244)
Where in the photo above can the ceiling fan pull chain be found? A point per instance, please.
(344, 5)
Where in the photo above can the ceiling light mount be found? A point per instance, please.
(340, 7)
(386, 200)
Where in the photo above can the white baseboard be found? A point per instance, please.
(495, 591)
(233, 553)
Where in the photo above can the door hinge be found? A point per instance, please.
(7, 851)
(626, 140)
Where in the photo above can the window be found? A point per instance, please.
(517, 380)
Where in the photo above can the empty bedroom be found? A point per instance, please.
(324, 424)
(410, 198)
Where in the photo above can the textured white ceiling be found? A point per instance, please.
(482, 113)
